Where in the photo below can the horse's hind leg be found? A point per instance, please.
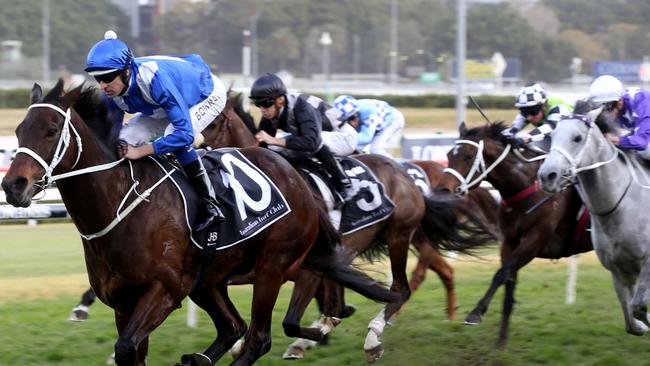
(229, 324)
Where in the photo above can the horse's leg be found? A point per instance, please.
(508, 304)
(229, 324)
(398, 251)
(80, 311)
(512, 262)
(432, 259)
(306, 286)
(257, 341)
(624, 290)
(151, 310)
(640, 300)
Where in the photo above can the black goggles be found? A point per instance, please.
(608, 107)
(530, 111)
(264, 103)
(107, 78)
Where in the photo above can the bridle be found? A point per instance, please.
(61, 148)
(478, 167)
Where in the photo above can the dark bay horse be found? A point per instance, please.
(413, 213)
(549, 231)
(144, 265)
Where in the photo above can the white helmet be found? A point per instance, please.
(530, 95)
(606, 88)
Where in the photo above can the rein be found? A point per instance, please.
(477, 166)
(62, 146)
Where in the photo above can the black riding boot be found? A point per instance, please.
(341, 180)
(200, 181)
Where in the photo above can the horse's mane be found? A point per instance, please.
(491, 130)
(94, 111)
(238, 107)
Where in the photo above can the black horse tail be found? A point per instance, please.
(451, 225)
(327, 258)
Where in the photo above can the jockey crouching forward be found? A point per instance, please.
(173, 98)
(536, 108)
(628, 109)
(304, 117)
(379, 124)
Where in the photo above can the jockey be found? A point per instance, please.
(378, 123)
(536, 108)
(173, 99)
(628, 108)
(304, 118)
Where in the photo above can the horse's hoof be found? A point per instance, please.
(293, 353)
(111, 359)
(374, 354)
(472, 319)
(78, 316)
(347, 311)
(325, 340)
(195, 359)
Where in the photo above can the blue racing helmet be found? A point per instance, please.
(347, 105)
(108, 55)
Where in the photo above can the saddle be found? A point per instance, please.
(227, 168)
(369, 205)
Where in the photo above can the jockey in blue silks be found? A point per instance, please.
(379, 124)
(173, 99)
(628, 108)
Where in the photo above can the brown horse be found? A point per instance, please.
(533, 225)
(413, 212)
(478, 199)
(145, 265)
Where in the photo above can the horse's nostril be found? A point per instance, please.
(551, 176)
(441, 190)
(14, 185)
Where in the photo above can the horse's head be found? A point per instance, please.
(234, 127)
(577, 145)
(476, 152)
(46, 140)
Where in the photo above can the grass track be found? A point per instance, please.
(47, 261)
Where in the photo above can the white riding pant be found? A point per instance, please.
(390, 136)
(142, 129)
(342, 142)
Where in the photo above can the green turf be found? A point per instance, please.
(544, 330)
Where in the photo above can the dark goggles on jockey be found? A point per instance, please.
(530, 111)
(608, 107)
(264, 103)
(107, 78)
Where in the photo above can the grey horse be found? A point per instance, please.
(614, 186)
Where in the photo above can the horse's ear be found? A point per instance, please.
(462, 129)
(593, 114)
(36, 94)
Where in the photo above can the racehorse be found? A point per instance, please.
(614, 186)
(412, 213)
(144, 265)
(532, 225)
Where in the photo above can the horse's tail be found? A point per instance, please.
(326, 257)
(451, 225)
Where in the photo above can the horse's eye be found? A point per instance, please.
(51, 132)
(577, 138)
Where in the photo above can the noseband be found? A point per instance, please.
(478, 166)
